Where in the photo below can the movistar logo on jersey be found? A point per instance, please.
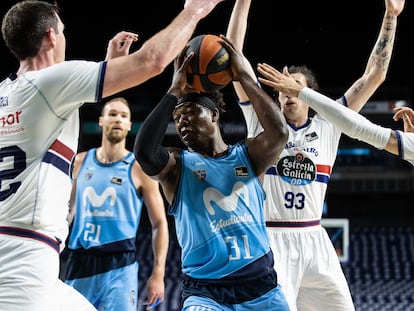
(214, 199)
(97, 201)
(296, 170)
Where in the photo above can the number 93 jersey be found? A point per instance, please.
(296, 184)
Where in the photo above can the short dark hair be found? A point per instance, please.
(25, 24)
(308, 74)
(310, 80)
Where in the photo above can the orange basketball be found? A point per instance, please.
(210, 67)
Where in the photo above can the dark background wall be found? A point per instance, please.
(333, 38)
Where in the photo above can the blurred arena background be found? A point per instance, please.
(369, 188)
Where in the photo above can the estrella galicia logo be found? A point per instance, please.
(297, 170)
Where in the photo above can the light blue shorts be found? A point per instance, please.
(113, 290)
(273, 300)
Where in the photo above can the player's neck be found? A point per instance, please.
(33, 64)
(107, 155)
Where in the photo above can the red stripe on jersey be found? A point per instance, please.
(323, 169)
(63, 150)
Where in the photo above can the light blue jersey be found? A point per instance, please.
(102, 262)
(219, 219)
(108, 207)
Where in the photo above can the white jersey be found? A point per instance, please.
(296, 184)
(309, 271)
(406, 146)
(39, 129)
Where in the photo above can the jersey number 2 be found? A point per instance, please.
(17, 166)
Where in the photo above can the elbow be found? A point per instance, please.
(142, 157)
(151, 159)
(145, 161)
(377, 78)
(156, 61)
(381, 78)
(278, 141)
(282, 131)
(284, 134)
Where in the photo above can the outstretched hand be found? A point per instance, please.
(179, 85)
(407, 115)
(239, 63)
(282, 82)
(394, 7)
(120, 44)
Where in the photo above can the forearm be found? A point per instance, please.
(380, 56)
(149, 152)
(160, 243)
(169, 42)
(236, 32)
(348, 121)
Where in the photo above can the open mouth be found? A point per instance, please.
(184, 133)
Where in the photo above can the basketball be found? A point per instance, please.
(210, 67)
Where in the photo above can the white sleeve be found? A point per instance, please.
(348, 121)
(406, 146)
(68, 84)
(252, 122)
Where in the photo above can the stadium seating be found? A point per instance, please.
(379, 271)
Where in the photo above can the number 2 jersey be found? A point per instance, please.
(39, 130)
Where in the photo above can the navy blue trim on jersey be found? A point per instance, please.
(126, 245)
(86, 264)
(300, 127)
(257, 269)
(57, 162)
(99, 89)
(25, 233)
(400, 145)
(293, 224)
(246, 103)
(228, 293)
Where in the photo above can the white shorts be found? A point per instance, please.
(308, 269)
(29, 272)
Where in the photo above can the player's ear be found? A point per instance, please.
(49, 39)
(100, 121)
(215, 114)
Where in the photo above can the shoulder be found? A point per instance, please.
(80, 157)
(77, 163)
(140, 178)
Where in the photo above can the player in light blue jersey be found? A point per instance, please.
(39, 106)
(310, 273)
(215, 192)
(109, 191)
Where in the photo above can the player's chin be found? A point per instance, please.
(188, 142)
(116, 138)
